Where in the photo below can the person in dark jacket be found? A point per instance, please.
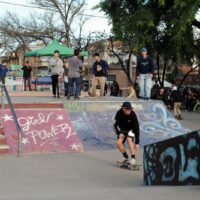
(177, 99)
(114, 89)
(126, 126)
(27, 73)
(65, 74)
(144, 73)
(155, 90)
(3, 71)
(99, 71)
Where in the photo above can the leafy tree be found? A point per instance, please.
(165, 27)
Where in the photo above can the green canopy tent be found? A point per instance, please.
(50, 48)
(55, 45)
(30, 53)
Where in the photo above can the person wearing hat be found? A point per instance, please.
(144, 73)
(177, 99)
(126, 127)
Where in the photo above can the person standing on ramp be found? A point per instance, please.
(100, 71)
(126, 126)
(56, 68)
(144, 72)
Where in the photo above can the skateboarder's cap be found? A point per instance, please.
(143, 49)
(127, 105)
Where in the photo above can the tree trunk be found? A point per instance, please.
(185, 76)
(127, 68)
(158, 67)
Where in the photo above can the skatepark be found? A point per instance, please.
(88, 169)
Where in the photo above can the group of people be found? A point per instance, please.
(67, 69)
(177, 98)
(70, 69)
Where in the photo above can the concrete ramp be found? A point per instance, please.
(93, 121)
(85, 122)
(43, 130)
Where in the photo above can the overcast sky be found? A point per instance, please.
(93, 24)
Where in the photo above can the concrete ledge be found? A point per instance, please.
(175, 161)
(35, 105)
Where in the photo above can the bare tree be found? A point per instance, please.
(62, 20)
(81, 39)
(67, 10)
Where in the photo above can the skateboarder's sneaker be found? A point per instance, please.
(124, 161)
(132, 161)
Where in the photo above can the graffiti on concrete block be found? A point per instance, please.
(42, 131)
(175, 161)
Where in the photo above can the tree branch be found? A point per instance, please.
(186, 75)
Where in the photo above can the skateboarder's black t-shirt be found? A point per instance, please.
(125, 123)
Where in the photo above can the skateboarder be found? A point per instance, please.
(127, 129)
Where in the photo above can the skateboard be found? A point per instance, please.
(128, 166)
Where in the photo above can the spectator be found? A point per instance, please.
(167, 98)
(105, 89)
(131, 92)
(144, 72)
(188, 100)
(137, 89)
(27, 75)
(65, 74)
(114, 89)
(3, 71)
(177, 100)
(99, 71)
(75, 67)
(155, 90)
(56, 68)
(160, 96)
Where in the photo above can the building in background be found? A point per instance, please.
(40, 64)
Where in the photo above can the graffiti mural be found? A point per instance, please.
(175, 161)
(42, 131)
(93, 122)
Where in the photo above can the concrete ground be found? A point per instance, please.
(85, 176)
(91, 175)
